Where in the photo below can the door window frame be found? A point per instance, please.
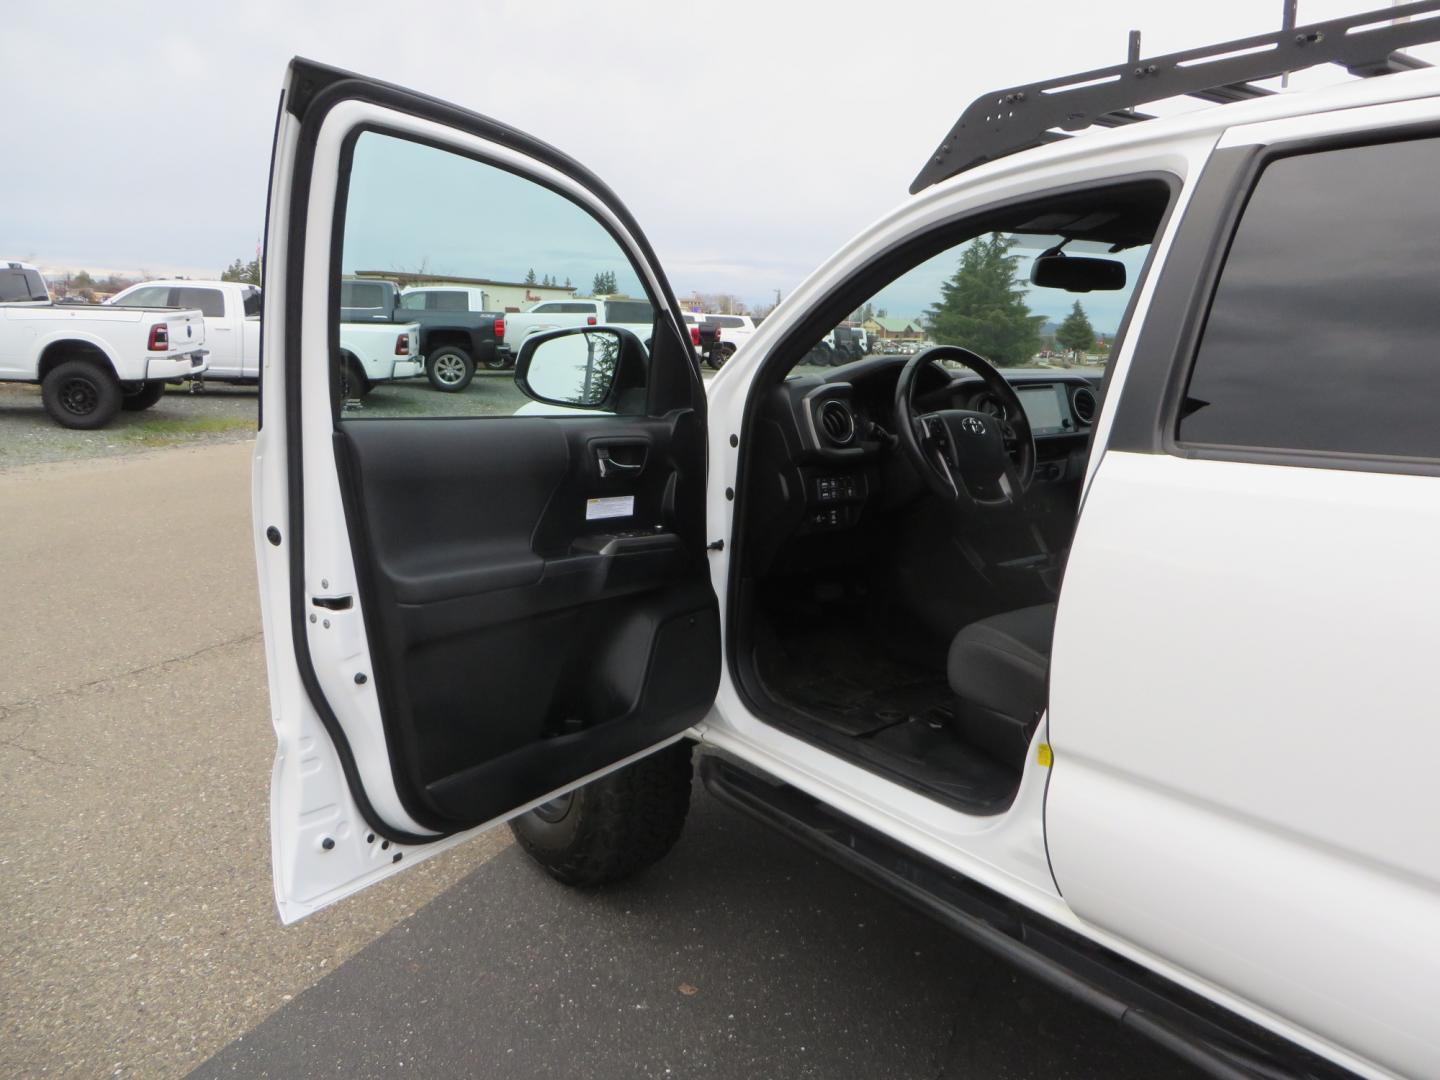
(859, 284)
(318, 94)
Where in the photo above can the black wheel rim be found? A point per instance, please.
(79, 396)
(556, 809)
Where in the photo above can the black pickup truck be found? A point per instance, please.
(452, 342)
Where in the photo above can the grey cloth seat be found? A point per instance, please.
(997, 671)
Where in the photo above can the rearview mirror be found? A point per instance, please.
(580, 367)
(1077, 273)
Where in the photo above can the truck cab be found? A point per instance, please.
(1123, 672)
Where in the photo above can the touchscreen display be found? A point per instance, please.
(1042, 408)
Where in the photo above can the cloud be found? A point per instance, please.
(750, 139)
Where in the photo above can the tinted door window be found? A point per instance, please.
(361, 294)
(413, 301)
(629, 311)
(1323, 332)
(21, 285)
(449, 300)
(211, 302)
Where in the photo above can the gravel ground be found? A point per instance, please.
(219, 414)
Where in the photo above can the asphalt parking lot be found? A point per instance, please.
(137, 931)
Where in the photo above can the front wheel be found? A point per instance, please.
(138, 400)
(612, 827)
(450, 369)
(79, 394)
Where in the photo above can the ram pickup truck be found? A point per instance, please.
(452, 342)
(92, 361)
(369, 354)
(637, 316)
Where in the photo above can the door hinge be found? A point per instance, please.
(715, 545)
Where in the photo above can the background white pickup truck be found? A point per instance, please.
(92, 361)
(637, 316)
(369, 353)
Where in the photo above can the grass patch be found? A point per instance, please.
(170, 432)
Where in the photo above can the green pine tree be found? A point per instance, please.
(530, 278)
(1076, 335)
(982, 307)
(239, 270)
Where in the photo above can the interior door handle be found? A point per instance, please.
(610, 467)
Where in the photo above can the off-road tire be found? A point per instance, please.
(149, 394)
(613, 827)
(80, 394)
(449, 369)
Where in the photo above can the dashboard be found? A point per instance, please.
(829, 437)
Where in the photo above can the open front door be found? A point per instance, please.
(473, 600)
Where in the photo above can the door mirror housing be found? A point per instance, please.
(1077, 273)
(581, 367)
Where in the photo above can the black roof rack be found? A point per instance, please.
(1005, 122)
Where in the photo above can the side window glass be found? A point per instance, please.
(1321, 333)
(252, 302)
(211, 302)
(476, 222)
(150, 296)
(414, 301)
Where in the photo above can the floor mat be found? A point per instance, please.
(885, 711)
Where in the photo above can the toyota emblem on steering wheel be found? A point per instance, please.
(972, 425)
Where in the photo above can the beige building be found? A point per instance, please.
(499, 295)
(890, 327)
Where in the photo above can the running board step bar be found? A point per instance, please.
(1194, 1029)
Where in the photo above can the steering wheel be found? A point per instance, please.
(967, 458)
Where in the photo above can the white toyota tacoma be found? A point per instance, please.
(1127, 673)
(92, 361)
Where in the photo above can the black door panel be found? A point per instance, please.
(518, 643)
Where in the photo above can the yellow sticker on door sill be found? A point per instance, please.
(1043, 756)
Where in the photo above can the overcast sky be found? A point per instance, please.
(749, 138)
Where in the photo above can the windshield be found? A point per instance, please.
(979, 294)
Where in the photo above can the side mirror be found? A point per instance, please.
(1077, 273)
(580, 367)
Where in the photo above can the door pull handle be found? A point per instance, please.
(610, 467)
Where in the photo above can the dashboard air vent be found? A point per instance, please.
(836, 422)
(1085, 405)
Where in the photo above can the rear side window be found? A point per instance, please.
(21, 285)
(362, 294)
(448, 300)
(413, 301)
(629, 311)
(211, 302)
(252, 302)
(1324, 332)
(726, 321)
